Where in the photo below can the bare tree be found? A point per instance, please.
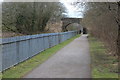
(29, 17)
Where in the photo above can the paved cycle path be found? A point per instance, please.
(72, 61)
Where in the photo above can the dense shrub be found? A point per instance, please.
(100, 19)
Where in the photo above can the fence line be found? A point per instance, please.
(20, 48)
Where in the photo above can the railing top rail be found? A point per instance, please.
(21, 38)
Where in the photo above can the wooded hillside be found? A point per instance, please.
(29, 17)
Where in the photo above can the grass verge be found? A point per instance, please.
(0, 75)
(23, 68)
(103, 65)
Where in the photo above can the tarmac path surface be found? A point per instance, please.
(72, 61)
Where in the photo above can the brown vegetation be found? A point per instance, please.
(100, 19)
(53, 27)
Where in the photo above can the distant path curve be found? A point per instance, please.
(73, 61)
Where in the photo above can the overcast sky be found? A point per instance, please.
(72, 11)
(1, 0)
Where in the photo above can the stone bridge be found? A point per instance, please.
(68, 21)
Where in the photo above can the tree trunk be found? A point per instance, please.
(118, 39)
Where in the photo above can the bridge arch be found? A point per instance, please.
(68, 21)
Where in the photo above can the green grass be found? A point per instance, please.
(25, 67)
(103, 64)
(0, 75)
